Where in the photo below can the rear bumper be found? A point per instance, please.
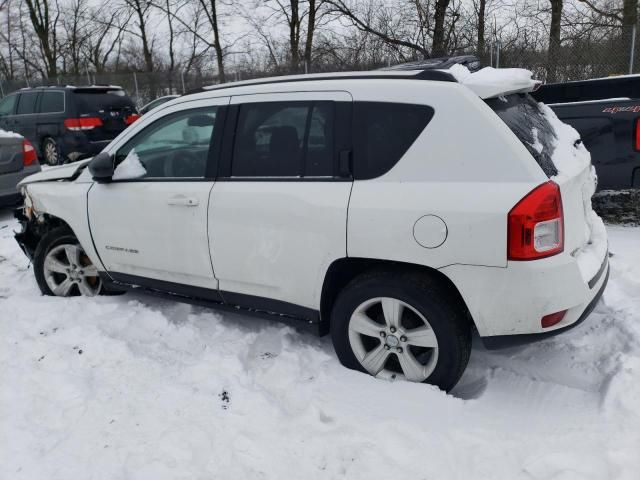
(512, 301)
(506, 341)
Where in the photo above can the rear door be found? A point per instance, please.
(26, 115)
(278, 210)
(111, 109)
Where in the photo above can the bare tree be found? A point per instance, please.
(554, 39)
(141, 9)
(44, 16)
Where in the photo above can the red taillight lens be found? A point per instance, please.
(83, 123)
(552, 319)
(129, 119)
(28, 153)
(637, 135)
(536, 224)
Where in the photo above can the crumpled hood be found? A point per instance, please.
(63, 172)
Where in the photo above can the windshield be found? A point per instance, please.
(524, 117)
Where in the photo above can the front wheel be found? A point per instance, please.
(401, 325)
(62, 267)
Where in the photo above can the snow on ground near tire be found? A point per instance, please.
(132, 387)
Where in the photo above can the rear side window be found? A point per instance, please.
(284, 139)
(91, 102)
(52, 102)
(27, 103)
(383, 132)
(524, 117)
(7, 104)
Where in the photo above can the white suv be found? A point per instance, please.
(396, 210)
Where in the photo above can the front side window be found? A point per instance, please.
(27, 103)
(174, 146)
(284, 139)
(52, 102)
(7, 104)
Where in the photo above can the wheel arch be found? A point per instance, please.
(343, 270)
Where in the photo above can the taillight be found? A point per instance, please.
(536, 224)
(129, 119)
(28, 153)
(82, 123)
(637, 135)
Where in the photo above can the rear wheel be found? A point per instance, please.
(51, 152)
(62, 267)
(401, 326)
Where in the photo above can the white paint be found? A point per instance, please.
(430, 231)
(276, 239)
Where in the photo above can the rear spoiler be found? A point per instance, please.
(492, 82)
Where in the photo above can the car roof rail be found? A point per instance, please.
(472, 62)
(433, 75)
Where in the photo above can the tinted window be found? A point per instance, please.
(6, 105)
(27, 103)
(284, 139)
(523, 116)
(94, 101)
(174, 146)
(52, 102)
(383, 132)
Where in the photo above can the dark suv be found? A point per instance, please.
(67, 123)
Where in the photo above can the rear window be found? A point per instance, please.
(101, 100)
(524, 117)
(383, 132)
(52, 102)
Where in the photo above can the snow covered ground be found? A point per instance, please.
(133, 387)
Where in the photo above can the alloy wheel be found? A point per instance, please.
(392, 339)
(68, 271)
(51, 153)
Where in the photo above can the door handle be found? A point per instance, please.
(182, 201)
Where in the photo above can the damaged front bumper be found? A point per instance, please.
(27, 237)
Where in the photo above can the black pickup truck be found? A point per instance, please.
(606, 112)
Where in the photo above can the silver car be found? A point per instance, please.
(18, 160)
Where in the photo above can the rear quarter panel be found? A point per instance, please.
(466, 168)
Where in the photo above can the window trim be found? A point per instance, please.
(215, 143)
(341, 124)
(57, 92)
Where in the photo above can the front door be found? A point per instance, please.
(278, 212)
(152, 229)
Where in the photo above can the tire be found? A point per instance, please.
(423, 304)
(62, 268)
(51, 152)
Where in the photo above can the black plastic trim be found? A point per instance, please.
(506, 341)
(596, 277)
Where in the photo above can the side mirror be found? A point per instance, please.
(102, 167)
